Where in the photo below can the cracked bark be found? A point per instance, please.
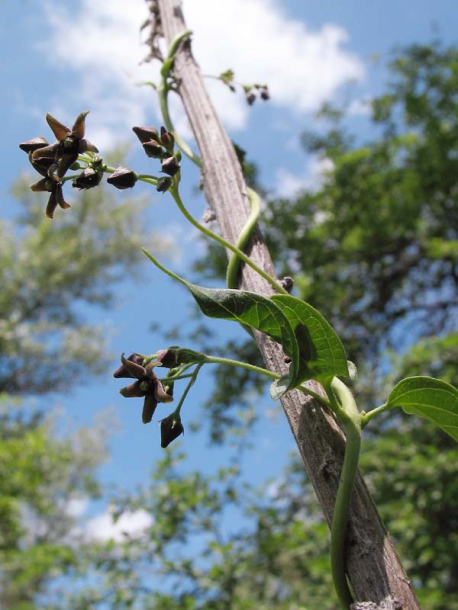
(374, 570)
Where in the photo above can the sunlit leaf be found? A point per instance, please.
(430, 398)
(258, 312)
(321, 352)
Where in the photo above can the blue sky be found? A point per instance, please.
(64, 56)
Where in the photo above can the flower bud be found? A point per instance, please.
(88, 179)
(123, 178)
(170, 166)
(163, 184)
(167, 139)
(250, 97)
(167, 357)
(153, 149)
(264, 92)
(145, 134)
(171, 428)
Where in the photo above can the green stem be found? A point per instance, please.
(324, 401)
(266, 373)
(163, 91)
(164, 269)
(242, 365)
(188, 387)
(148, 179)
(367, 417)
(351, 419)
(175, 194)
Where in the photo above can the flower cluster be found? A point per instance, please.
(152, 389)
(251, 92)
(52, 161)
(160, 146)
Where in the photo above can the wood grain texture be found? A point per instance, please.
(374, 570)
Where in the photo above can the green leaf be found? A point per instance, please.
(322, 355)
(258, 312)
(430, 398)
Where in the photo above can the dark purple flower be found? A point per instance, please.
(88, 179)
(163, 184)
(167, 139)
(264, 93)
(146, 134)
(153, 149)
(147, 385)
(123, 178)
(170, 166)
(70, 143)
(56, 198)
(171, 428)
(250, 97)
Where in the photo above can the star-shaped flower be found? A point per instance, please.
(70, 143)
(146, 385)
(49, 184)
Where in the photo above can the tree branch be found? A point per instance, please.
(374, 570)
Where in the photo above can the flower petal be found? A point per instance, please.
(133, 390)
(122, 371)
(58, 129)
(133, 368)
(79, 125)
(65, 162)
(149, 406)
(46, 152)
(161, 394)
(42, 186)
(85, 145)
(52, 205)
(60, 198)
(33, 144)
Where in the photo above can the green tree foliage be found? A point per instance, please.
(377, 243)
(52, 273)
(41, 476)
(374, 248)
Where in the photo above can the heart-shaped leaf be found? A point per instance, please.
(431, 398)
(258, 312)
(322, 355)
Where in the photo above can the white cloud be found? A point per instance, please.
(258, 40)
(77, 506)
(130, 524)
(101, 42)
(289, 184)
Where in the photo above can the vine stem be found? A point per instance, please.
(350, 417)
(233, 248)
(163, 92)
(237, 250)
(188, 387)
(367, 417)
